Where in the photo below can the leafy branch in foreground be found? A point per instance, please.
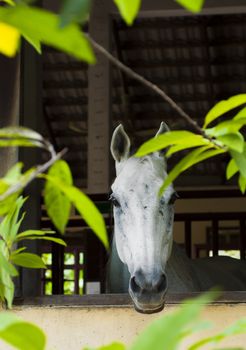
(10, 256)
(59, 193)
(170, 330)
(60, 31)
(21, 334)
(14, 181)
(166, 332)
(224, 137)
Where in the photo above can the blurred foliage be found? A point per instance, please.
(59, 192)
(223, 137)
(166, 332)
(11, 255)
(20, 18)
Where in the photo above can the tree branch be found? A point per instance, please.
(148, 84)
(39, 170)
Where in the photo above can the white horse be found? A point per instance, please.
(144, 260)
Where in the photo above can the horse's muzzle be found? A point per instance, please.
(148, 292)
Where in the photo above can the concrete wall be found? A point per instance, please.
(73, 328)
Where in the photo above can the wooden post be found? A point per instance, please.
(242, 239)
(57, 268)
(99, 109)
(9, 105)
(30, 116)
(9, 112)
(215, 239)
(188, 238)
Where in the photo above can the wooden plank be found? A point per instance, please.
(9, 106)
(242, 239)
(57, 268)
(99, 111)
(188, 242)
(215, 239)
(31, 116)
(168, 8)
(119, 300)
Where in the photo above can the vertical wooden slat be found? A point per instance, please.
(215, 234)
(188, 238)
(57, 269)
(92, 258)
(242, 239)
(99, 108)
(31, 117)
(76, 271)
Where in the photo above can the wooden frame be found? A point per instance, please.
(119, 300)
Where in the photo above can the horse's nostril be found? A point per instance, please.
(134, 286)
(162, 283)
(139, 284)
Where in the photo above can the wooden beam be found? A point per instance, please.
(99, 110)
(30, 116)
(169, 8)
(9, 105)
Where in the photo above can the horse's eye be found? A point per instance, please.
(114, 201)
(173, 198)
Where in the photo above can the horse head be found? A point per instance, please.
(143, 221)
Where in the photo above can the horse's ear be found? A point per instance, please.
(163, 128)
(120, 144)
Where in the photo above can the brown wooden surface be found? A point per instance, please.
(118, 300)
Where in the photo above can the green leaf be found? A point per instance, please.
(28, 260)
(21, 335)
(113, 346)
(7, 319)
(32, 233)
(167, 331)
(6, 287)
(227, 127)
(74, 11)
(57, 204)
(128, 9)
(170, 138)
(241, 114)
(20, 132)
(17, 251)
(20, 142)
(9, 2)
(7, 266)
(240, 160)
(239, 327)
(84, 206)
(10, 225)
(44, 27)
(20, 136)
(185, 145)
(46, 238)
(231, 169)
(7, 204)
(233, 141)
(189, 160)
(88, 211)
(223, 107)
(34, 42)
(10, 40)
(192, 5)
(13, 174)
(242, 183)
